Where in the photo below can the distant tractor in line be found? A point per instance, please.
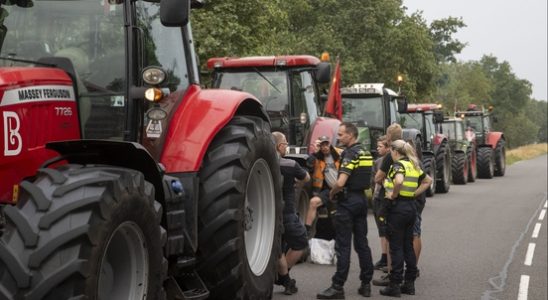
(491, 145)
(436, 152)
(463, 146)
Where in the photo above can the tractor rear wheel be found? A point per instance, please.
(429, 167)
(485, 162)
(240, 209)
(84, 232)
(500, 158)
(460, 168)
(443, 170)
(472, 164)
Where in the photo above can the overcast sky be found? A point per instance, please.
(512, 31)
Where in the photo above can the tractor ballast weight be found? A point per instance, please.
(175, 192)
(491, 145)
(436, 151)
(463, 147)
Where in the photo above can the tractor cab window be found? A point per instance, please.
(303, 108)
(429, 122)
(161, 46)
(448, 128)
(363, 110)
(459, 132)
(475, 122)
(412, 120)
(394, 115)
(270, 87)
(91, 35)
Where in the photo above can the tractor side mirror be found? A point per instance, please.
(323, 72)
(174, 13)
(438, 116)
(402, 105)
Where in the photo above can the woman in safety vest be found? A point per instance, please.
(404, 181)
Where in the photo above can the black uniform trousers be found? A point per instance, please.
(400, 221)
(351, 218)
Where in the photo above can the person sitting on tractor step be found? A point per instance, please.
(324, 164)
(294, 238)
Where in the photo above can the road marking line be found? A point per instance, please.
(542, 214)
(529, 255)
(536, 230)
(498, 282)
(523, 287)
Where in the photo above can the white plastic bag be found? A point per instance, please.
(322, 251)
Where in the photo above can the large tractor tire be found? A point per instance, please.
(443, 168)
(472, 164)
(84, 232)
(500, 158)
(486, 165)
(460, 168)
(240, 208)
(429, 167)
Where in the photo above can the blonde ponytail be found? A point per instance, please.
(406, 149)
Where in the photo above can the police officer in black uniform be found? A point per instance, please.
(351, 215)
(405, 181)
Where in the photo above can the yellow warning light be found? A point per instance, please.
(491, 107)
(325, 56)
(400, 79)
(154, 94)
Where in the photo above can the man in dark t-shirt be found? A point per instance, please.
(294, 238)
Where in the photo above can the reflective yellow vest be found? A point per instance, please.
(410, 179)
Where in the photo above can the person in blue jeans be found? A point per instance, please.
(351, 215)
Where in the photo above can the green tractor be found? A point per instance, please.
(463, 146)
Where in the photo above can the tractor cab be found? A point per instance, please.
(289, 88)
(373, 108)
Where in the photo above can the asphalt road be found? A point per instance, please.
(484, 240)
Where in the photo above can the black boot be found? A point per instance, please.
(365, 289)
(392, 290)
(408, 288)
(335, 291)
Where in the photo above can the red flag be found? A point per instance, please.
(334, 100)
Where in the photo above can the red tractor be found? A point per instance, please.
(491, 145)
(290, 89)
(436, 152)
(120, 177)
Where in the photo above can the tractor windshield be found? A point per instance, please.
(475, 122)
(453, 130)
(412, 120)
(290, 98)
(365, 111)
(93, 36)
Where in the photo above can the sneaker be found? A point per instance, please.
(408, 288)
(380, 264)
(290, 287)
(392, 290)
(383, 281)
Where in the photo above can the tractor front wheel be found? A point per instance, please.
(472, 164)
(429, 167)
(240, 208)
(443, 170)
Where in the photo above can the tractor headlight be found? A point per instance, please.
(154, 75)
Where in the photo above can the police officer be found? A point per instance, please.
(402, 186)
(351, 215)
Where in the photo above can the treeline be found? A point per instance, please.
(376, 40)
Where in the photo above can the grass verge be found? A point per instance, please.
(525, 152)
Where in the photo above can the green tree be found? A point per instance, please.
(445, 45)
